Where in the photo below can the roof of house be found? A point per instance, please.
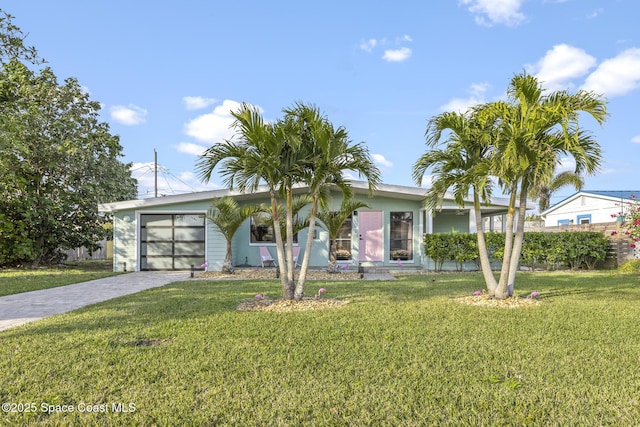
(359, 187)
(602, 194)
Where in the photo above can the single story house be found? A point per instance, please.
(171, 233)
(588, 207)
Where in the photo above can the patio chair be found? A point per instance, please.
(296, 253)
(266, 257)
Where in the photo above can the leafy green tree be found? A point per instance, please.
(536, 130)
(324, 153)
(464, 165)
(544, 190)
(333, 221)
(12, 42)
(57, 162)
(228, 216)
(259, 153)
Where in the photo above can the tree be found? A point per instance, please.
(259, 152)
(464, 165)
(536, 131)
(333, 221)
(12, 42)
(228, 216)
(324, 153)
(57, 162)
(543, 191)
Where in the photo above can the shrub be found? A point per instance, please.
(630, 267)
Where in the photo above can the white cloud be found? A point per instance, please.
(191, 148)
(381, 160)
(566, 164)
(215, 126)
(490, 12)
(560, 65)
(368, 45)
(168, 183)
(197, 102)
(461, 105)
(397, 55)
(636, 139)
(616, 76)
(128, 115)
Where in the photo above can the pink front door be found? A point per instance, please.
(371, 241)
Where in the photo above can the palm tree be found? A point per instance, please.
(463, 166)
(544, 191)
(327, 154)
(228, 217)
(259, 152)
(333, 221)
(536, 130)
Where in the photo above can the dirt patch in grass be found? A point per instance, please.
(485, 301)
(281, 306)
(270, 273)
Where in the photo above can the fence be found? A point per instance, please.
(81, 254)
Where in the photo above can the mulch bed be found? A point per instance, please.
(257, 273)
(485, 301)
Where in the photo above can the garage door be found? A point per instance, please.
(171, 241)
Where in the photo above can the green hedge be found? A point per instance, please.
(549, 250)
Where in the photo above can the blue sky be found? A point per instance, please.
(168, 73)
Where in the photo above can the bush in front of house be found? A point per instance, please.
(630, 267)
(575, 250)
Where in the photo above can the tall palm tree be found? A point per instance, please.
(228, 216)
(536, 130)
(464, 166)
(327, 154)
(259, 152)
(543, 191)
(333, 221)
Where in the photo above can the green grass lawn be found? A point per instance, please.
(16, 280)
(401, 353)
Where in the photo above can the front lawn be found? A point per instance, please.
(17, 280)
(400, 353)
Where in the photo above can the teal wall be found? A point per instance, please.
(126, 230)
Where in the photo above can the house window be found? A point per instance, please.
(584, 219)
(563, 222)
(343, 241)
(262, 230)
(401, 236)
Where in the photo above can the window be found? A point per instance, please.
(262, 229)
(401, 236)
(584, 219)
(343, 241)
(563, 222)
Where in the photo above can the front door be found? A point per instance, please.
(371, 239)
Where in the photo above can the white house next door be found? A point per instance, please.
(371, 244)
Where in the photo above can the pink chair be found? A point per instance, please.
(266, 257)
(296, 253)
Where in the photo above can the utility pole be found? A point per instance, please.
(155, 171)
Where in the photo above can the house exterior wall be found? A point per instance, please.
(596, 209)
(127, 231)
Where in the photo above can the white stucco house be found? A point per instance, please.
(588, 207)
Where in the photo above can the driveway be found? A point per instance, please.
(28, 307)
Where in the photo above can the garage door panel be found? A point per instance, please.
(171, 241)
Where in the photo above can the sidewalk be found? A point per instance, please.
(28, 307)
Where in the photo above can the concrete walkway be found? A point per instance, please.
(28, 307)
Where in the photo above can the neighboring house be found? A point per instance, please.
(170, 233)
(588, 207)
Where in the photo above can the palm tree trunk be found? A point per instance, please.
(289, 247)
(287, 292)
(517, 244)
(227, 267)
(485, 263)
(304, 267)
(502, 290)
(333, 249)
